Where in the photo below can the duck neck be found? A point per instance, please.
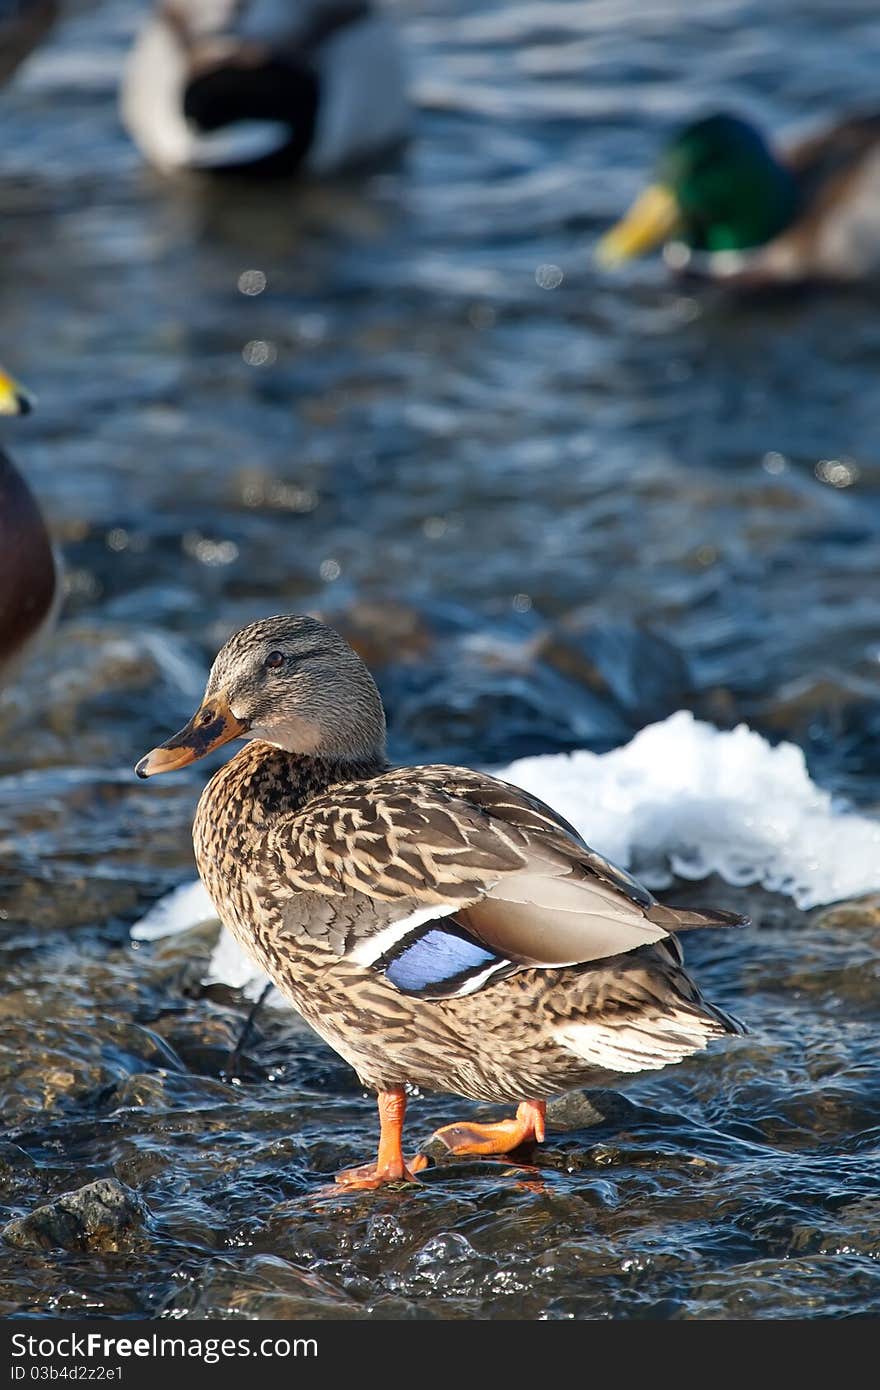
(264, 782)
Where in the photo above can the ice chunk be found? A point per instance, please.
(682, 798)
(189, 906)
(686, 798)
(184, 907)
(229, 965)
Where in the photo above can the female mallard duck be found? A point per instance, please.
(29, 587)
(436, 926)
(271, 85)
(810, 213)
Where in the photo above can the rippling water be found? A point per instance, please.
(467, 450)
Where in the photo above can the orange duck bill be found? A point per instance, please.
(212, 725)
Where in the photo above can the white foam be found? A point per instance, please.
(187, 907)
(683, 798)
(687, 799)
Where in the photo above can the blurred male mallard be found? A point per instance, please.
(436, 926)
(29, 588)
(268, 85)
(728, 206)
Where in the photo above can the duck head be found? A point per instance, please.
(290, 681)
(718, 187)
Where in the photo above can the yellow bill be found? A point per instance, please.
(14, 399)
(653, 218)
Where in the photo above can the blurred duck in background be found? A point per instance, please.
(271, 86)
(727, 206)
(29, 587)
(22, 24)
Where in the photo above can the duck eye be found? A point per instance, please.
(274, 660)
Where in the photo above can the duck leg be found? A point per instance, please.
(390, 1165)
(500, 1138)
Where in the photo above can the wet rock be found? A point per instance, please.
(835, 720)
(73, 899)
(384, 634)
(262, 1287)
(858, 912)
(101, 1216)
(44, 1087)
(204, 1043)
(800, 703)
(580, 1110)
(645, 676)
(74, 702)
(139, 1165)
(141, 1044)
(476, 708)
(142, 1090)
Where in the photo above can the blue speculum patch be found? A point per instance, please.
(438, 958)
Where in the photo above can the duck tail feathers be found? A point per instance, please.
(729, 1022)
(676, 919)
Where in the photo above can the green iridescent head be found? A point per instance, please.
(719, 187)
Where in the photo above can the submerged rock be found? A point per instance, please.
(852, 913)
(101, 1216)
(581, 1109)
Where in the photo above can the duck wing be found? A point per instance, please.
(454, 879)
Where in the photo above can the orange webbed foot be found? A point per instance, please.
(500, 1138)
(390, 1165)
(372, 1175)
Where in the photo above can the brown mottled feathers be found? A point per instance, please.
(443, 832)
(451, 837)
(515, 877)
(448, 836)
(312, 873)
(834, 151)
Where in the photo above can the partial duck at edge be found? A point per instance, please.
(729, 207)
(29, 587)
